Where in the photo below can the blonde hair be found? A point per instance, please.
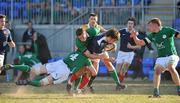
(155, 21)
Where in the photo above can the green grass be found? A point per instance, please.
(137, 92)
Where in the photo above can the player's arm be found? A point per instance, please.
(102, 29)
(138, 41)
(133, 46)
(11, 44)
(93, 56)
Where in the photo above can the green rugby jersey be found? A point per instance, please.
(76, 61)
(92, 31)
(82, 46)
(29, 58)
(164, 41)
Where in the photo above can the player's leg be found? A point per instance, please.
(76, 75)
(77, 83)
(157, 78)
(160, 66)
(85, 79)
(96, 66)
(1, 62)
(126, 61)
(112, 71)
(174, 74)
(123, 71)
(119, 66)
(175, 77)
(119, 63)
(43, 82)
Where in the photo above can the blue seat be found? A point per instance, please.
(176, 24)
(102, 70)
(130, 72)
(151, 75)
(146, 70)
(149, 62)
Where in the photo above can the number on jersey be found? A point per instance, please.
(73, 57)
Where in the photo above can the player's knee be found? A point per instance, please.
(172, 69)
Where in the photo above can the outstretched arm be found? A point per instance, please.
(136, 40)
(94, 56)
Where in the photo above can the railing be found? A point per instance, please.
(62, 11)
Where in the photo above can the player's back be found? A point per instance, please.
(76, 60)
(97, 44)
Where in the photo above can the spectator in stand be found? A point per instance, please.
(108, 13)
(45, 12)
(62, 7)
(147, 2)
(28, 34)
(121, 2)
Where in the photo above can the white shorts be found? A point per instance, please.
(164, 61)
(1, 60)
(58, 70)
(124, 57)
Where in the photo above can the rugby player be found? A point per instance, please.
(163, 38)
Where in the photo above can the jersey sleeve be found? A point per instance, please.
(9, 38)
(148, 39)
(84, 27)
(171, 32)
(80, 46)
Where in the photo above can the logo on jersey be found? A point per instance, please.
(160, 45)
(164, 36)
(28, 55)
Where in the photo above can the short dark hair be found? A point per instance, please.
(2, 16)
(79, 31)
(132, 19)
(155, 21)
(113, 33)
(92, 14)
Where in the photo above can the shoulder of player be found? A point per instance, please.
(100, 26)
(122, 30)
(84, 26)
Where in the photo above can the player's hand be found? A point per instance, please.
(129, 46)
(103, 56)
(133, 34)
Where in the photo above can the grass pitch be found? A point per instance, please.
(137, 92)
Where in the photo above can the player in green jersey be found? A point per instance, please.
(108, 37)
(26, 57)
(58, 71)
(93, 28)
(163, 38)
